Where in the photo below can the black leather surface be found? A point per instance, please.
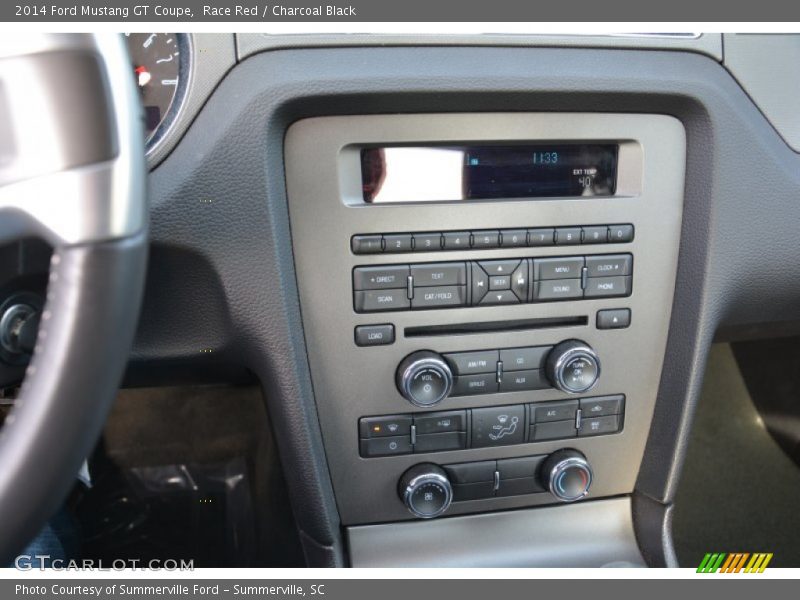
(93, 293)
(219, 200)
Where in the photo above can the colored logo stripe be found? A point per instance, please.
(734, 563)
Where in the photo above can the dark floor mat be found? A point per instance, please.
(739, 491)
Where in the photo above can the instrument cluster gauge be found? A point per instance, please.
(160, 63)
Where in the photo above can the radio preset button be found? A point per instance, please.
(381, 300)
(397, 242)
(380, 278)
(514, 237)
(374, 335)
(541, 237)
(456, 240)
(568, 236)
(609, 266)
(558, 289)
(367, 244)
(454, 273)
(607, 287)
(558, 268)
(427, 242)
(486, 239)
(595, 235)
(620, 234)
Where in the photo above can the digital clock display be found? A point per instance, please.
(392, 174)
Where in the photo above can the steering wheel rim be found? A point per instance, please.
(72, 171)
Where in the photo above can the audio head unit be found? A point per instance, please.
(486, 300)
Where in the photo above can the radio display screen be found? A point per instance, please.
(397, 174)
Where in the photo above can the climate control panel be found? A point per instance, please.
(428, 489)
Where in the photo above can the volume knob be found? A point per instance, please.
(424, 378)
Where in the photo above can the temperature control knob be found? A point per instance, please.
(573, 367)
(424, 378)
(425, 490)
(567, 474)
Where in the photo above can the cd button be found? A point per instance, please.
(524, 359)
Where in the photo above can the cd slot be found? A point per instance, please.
(495, 326)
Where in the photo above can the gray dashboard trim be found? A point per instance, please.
(236, 249)
(705, 43)
(554, 536)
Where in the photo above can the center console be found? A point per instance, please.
(486, 300)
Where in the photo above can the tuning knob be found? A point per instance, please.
(424, 378)
(573, 367)
(567, 474)
(425, 490)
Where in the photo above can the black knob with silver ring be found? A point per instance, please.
(424, 378)
(425, 490)
(573, 367)
(567, 474)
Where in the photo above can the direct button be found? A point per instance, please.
(558, 268)
(380, 278)
(439, 274)
(608, 266)
(374, 335)
(469, 363)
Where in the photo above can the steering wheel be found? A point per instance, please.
(73, 172)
